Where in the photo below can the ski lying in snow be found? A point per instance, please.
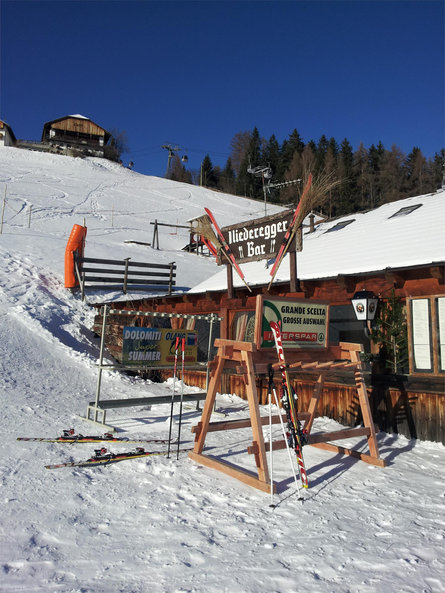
(70, 437)
(296, 435)
(227, 250)
(292, 229)
(104, 457)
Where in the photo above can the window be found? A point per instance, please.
(340, 225)
(426, 332)
(406, 210)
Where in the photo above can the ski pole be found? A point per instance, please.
(270, 450)
(182, 397)
(173, 396)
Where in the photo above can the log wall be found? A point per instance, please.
(413, 414)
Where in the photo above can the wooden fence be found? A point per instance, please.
(123, 274)
(410, 412)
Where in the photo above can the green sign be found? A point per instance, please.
(304, 324)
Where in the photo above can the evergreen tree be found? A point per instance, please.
(438, 170)
(391, 335)
(271, 155)
(376, 158)
(178, 172)
(320, 154)
(346, 200)
(239, 146)
(416, 173)
(331, 169)
(248, 184)
(208, 175)
(227, 178)
(362, 175)
(299, 167)
(392, 176)
(288, 149)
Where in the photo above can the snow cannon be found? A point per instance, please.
(76, 244)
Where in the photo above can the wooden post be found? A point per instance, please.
(29, 216)
(3, 211)
(293, 271)
(230, 291)
(170, 280)
(155, 236)
(124, 288)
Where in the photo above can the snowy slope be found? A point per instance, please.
(116, 204)
(162, 525)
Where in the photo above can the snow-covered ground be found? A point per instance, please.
(157, 524)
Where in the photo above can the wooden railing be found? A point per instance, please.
(124, 274)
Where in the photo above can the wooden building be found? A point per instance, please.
(7, 137)
(397, 251)
(75, 134)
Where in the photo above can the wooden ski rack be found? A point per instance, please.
(248, 361)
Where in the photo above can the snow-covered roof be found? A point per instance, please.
(406, 233)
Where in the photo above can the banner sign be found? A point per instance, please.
(304, 324)
(257, 239)
(149, 346)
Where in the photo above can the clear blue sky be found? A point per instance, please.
(196, 73)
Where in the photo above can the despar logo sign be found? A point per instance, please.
(257, 239)
(146, 346)
(303, 323)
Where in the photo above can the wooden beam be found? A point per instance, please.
(396, 280)
(352, 453)
(244, 423)
(244, 475)
(336, 435)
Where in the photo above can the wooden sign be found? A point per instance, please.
(304, 323)
(150, 346)
(257, 239)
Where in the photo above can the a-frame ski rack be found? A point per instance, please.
(242, 356)
(240, 353)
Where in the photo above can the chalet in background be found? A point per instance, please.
(75, 133)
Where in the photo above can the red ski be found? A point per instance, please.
(288, 401)
(228, 252)
(290, 233)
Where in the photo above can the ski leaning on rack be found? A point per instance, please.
(104, 457)
(290, 233)
(296, 436)
(70, 437)
(228, 252)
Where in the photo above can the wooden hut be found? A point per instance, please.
(397, 251)
(75, 134)
(7, 137)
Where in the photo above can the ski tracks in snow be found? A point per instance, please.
(38, 300)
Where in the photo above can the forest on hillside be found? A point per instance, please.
(368, 177)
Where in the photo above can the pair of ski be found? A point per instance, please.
(296, 438)
(101, 456)
(104, 457)
(285, 244)
(70, 437)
